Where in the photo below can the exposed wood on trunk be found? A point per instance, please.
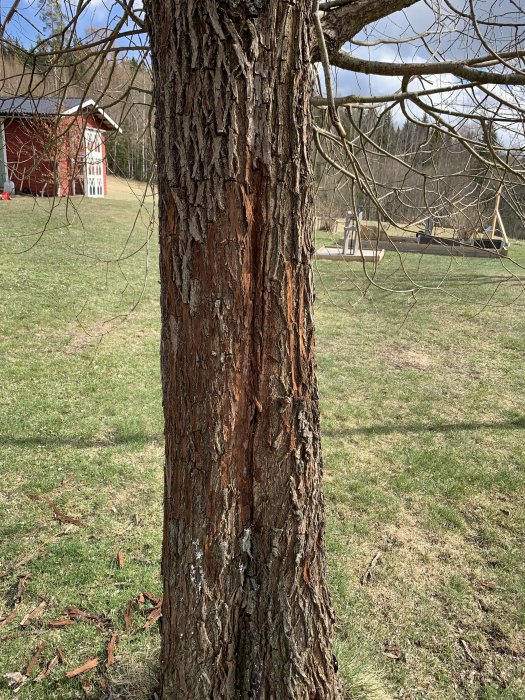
(246, 612)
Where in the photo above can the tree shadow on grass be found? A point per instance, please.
(417, 427)
(377, 429)
(80, 442)
(486, 279)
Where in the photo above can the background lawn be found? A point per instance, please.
(422, 435)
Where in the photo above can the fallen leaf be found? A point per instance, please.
(140, 598)
(155, 614)
(62, 517)
(92, 663)
(33, 615)
(15, 680)
(8, 619)
(120, 559)
(47, 670)
(367, 576)
(77, 612)
(127, 615)
(111, 650)
(154, 598)
(14, 595)
(80, 614)
(60, 655)
(61, 622)
(34, 659)
(84, 616)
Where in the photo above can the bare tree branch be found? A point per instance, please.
(346, 20)
(461, 69)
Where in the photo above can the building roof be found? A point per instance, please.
(41, 106)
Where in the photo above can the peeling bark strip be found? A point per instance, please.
(246, 612)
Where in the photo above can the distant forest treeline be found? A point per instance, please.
(418, 172)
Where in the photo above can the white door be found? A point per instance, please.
(94, 163)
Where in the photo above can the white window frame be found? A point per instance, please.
(5, 174)
(93, 159)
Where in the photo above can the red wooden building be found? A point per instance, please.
(53, 147)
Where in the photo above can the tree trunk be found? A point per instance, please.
(246, 609)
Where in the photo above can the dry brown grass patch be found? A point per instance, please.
(402, 356)
(84, 337)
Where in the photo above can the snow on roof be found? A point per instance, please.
(29, 106)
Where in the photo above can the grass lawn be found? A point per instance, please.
(424, 461)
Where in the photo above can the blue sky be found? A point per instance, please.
(455, 40)
(418, 19)
(27, 26)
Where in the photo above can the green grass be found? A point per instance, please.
(422, 408)
(423, 426)
(81, 424)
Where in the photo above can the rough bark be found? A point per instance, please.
(246, 610)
